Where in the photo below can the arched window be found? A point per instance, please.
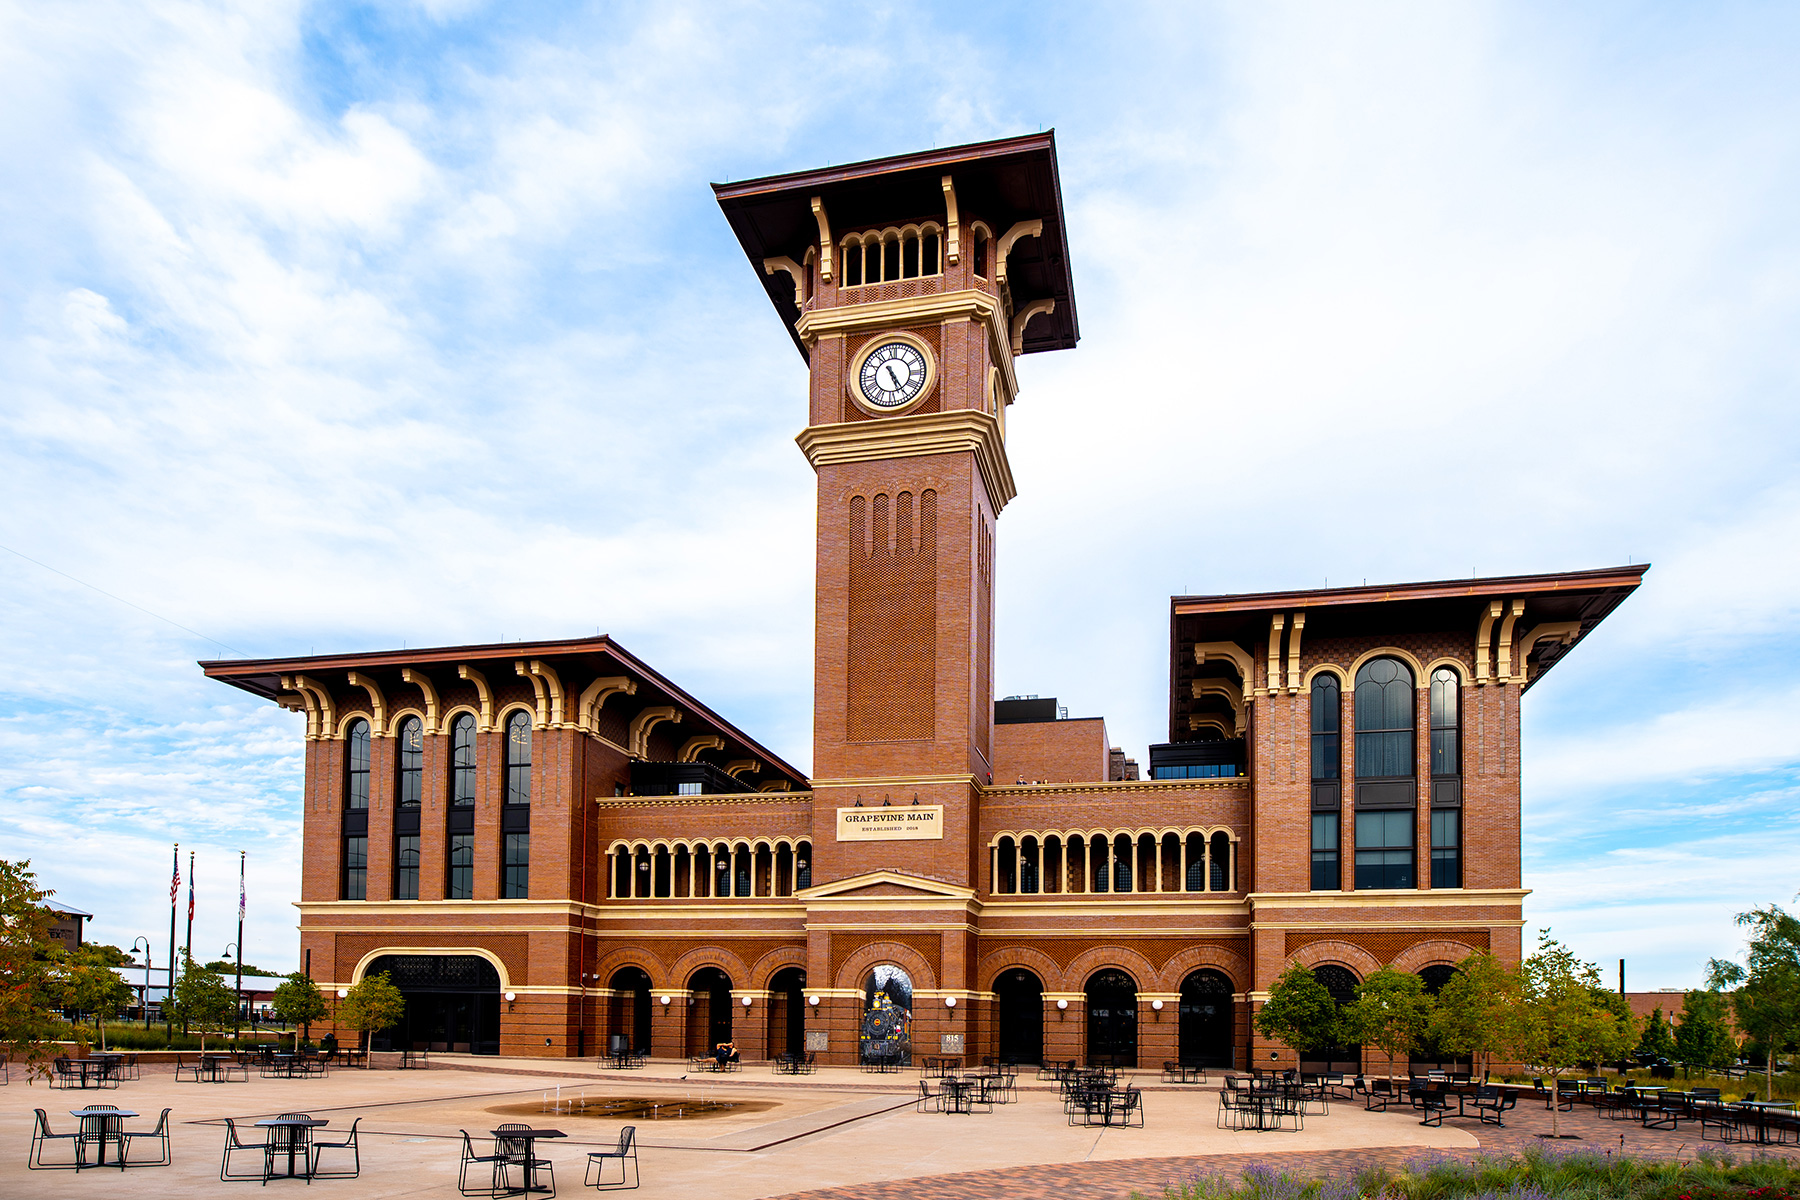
(1446, 723)
(980, 253)
(1325, 725)
(356, 754)
(518, 757)
(1384, 720)
(411, 740)
(462, 759)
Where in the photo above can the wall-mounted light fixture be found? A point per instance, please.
(813, 1001)
(1062, 1005)
(949, 1001)
(1156, 1004)
(663, 1000)
(343, 993)
(746, 1002)
(511, 996)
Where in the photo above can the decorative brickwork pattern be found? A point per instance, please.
(892, 680)
(926, 945)
(1386, 946)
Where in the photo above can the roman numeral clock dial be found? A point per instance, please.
(892, 374)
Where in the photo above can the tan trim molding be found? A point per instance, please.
(936, 308)
(1293, 670)
(1484, 636)
(953, 230)
(917, 435)
(818, 212)
(1517, 610)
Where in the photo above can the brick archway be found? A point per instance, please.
(1349, 954)
(1441, 952)
(852, 971)
(1227, 962)
(1035, 961)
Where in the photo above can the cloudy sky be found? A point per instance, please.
(328, 327)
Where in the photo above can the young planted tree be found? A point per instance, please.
(299, 1002)
(1392, 1012)
(93, 986)
(1473, 1009)
(1659, 1039)
(1702, 1037)
(31, 985)
(1562, 1018)
(373, 1004)
(1300, 1012)
(1766, 999)
(203, 1000)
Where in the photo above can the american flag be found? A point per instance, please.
(175, 882)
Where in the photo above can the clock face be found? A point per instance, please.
(892, 375)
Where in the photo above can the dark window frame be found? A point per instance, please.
(406, 866)
(357, 754)
(515, 866)
(1327, 862)
(462, 760)
(1446, 848)
(1386, 720)
(459, 878)
(355, 881)
(1446, 723)
(517, 754)
(1383, 864)
(409, 743)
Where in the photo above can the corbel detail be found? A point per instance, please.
(742, 766)
(1223, 687)
(307, 705)
(818, 212)
(1484, 640)
(547, 673)
(1517, 610)
(1023, 318)
(1237, 655)
(690, 750)
(644, 722)
(327, 714)
(1276, 623)
(1563, 631)
(795, 271)
(541, 718)
(1294, 653)
(423, 682)
(587, 709)
(483, 691)
(1024, 229)
(952, 228)
(377, 702)
(774, 785)
(1211, 721)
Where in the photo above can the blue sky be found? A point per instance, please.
(334, 327)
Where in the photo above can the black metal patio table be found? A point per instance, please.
(528, 1136)
(100, 1126)
(293, 1134)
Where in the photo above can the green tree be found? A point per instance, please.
(1392, 1012)
(1562, 1018)
(1473, 1009)
(92, 986)
(203, 999)
(1659, 1039)
(299, 1002)
(375, 1003)
(31, 986)
(1300, 1012)
(226, 966)
(1702, 1037)
(1766, 1000)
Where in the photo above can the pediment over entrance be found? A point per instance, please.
(881, 884)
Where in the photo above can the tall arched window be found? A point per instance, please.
(1384, 720)
(518, 757)
(1446, 729)
(462, 760)
(356, 753)
(1327, 722)
(411, 741)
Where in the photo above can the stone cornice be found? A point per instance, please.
(916, 436)
(931, 308)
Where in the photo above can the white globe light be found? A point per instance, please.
(813, 1000)
(1062, 1004)
(1156, 1004)
(511, 996)
(663, 999)
(949, 1001)
(746, 1002)
(343, 993)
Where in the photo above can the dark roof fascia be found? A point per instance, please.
(870, 168)
(1498, 585)
(227, 669)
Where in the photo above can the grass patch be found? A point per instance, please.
(1538, 1173)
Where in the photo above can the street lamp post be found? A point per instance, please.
(144, 998)
(237, 1011)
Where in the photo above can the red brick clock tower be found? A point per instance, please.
(911, 285)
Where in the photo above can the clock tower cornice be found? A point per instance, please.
(934, 308)
(917, 436)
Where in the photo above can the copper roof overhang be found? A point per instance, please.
(1000, 182)
(1436, 606)
(262, 677)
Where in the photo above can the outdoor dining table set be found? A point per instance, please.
(96, 1070)
(290, 1149)
(1091, 1096)
(951, 1091)
(1268, 1102)
(101, 1126)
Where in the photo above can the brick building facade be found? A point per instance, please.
(554, 850)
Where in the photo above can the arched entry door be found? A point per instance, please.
(1021, 1014)
(452, 1003)
(787, 1012)
(709, 1011)
(1429, 1057)
(628, 1012)
(1208, 1019)
(886, 1034)
(1341, 983)
(1112, 1018)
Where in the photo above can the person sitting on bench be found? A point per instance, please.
(726, 1053)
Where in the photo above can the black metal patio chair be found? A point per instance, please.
(625, 1154)
(42, 1136)
(159, 1134)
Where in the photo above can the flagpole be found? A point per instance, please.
(169, 1000)
(237, 1012)
(190, 928)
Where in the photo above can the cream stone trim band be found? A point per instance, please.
(879, 781)
(917, 435)
(1397, 898)
(703, 799)
(936, 308)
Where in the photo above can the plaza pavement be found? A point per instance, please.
(836, 1134)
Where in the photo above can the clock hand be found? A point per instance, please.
(890, 375)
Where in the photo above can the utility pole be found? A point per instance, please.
(237, 1011)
